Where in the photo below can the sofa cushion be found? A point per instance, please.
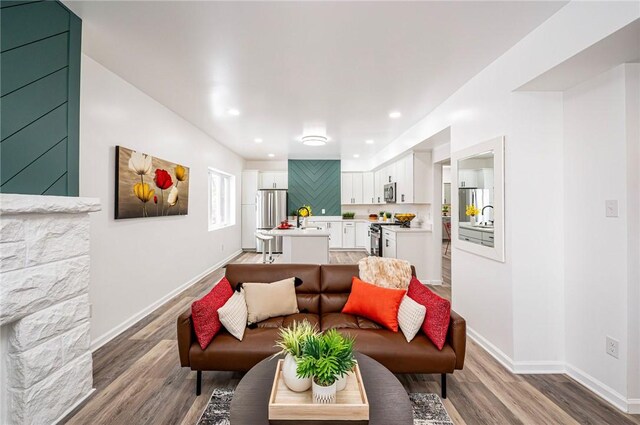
(265, 300)
(286, 321)
(308, 294)
(436, 320)
(233, 315)
(375, 303)
(204, 312)
(346, 321)
(393, 351)
(227, 353)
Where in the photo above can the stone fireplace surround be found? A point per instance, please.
(46, 364)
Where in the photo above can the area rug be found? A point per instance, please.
(427, 409)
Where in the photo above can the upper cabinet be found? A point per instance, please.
(368, 189)
(414, 179)
(353, 189)
(274, 180)
(250, 179)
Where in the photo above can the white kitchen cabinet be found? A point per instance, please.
(250, 182)
(390, 173)
(346, 188)
(362, 234)
(352, 190)
(348, 235)
(405, 181)
(388, 244)
(248, 217)
(378, 190)
(274, 180)
(335, 234)
(368, 194)
(467, 178)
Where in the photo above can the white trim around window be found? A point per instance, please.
(222, 199)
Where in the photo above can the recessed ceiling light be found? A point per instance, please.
(369, 142)
(233, 112)
(395, 114)
(314, 140)
(258, 140)
(356, 156)
(271, 155)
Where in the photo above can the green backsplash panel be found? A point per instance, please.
(39, 98)
(315, 183)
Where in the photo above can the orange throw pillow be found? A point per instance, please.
(375, 303)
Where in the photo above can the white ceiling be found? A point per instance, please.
(284, 65)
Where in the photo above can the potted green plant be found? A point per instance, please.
(325, 359)
(290, 343)
(387, 215)
(445, 209)
(381, 215)
(348, 215)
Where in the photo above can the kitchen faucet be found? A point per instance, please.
(482, 212)
(298, 217)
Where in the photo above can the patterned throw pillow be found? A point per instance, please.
(436, 321)
(233, 315)
(204, 312)
(410, 317)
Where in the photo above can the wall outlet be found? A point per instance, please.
(323, 211)
(613, 347)
(90, 310)
(611, 208)
(221, 247)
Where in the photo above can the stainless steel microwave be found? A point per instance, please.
(390, 192)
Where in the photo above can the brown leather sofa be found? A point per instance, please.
(322, 295)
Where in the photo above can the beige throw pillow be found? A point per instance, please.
(410, 317)
(233, 315)
(265, 300)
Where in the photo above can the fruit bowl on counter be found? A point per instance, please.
(404, 218)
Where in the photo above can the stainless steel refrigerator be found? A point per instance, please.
(271, 208)
(478, 197)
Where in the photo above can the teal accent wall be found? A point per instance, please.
(39, 98)
(315, 183)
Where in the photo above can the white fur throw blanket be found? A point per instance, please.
(385, 272)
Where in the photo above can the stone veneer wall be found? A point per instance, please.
(44, 306)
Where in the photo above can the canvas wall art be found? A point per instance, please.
(147, 186)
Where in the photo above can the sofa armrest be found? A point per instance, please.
(457, 337)
(186, 336)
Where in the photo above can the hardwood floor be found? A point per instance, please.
(138, 379)
(446, 264)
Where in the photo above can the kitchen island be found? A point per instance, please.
(303, 245)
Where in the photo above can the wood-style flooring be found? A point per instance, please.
(138, 379)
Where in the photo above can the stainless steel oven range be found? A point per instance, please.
(376, 236)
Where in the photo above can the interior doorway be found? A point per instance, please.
(446, 223)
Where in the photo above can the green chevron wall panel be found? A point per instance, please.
(315, 183)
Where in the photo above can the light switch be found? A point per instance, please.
(611, 207)
(323, 211)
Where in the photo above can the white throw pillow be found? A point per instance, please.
(410, 317)
(233, 315)
(265, 300)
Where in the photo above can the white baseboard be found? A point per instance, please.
(599, 388)
(634, 406)
(76, 404)
(495, 352)
(435, 282)
(539, 367)
(108, 336)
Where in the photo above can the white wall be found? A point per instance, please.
(267, 165)
(136, 263)
(597, 248)
(516, 308)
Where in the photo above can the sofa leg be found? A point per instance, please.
(198, 382)
(443, 385)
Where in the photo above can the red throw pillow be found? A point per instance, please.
(375, 303)
(436, 321)
(204, 312)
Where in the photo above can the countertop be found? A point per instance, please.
(426, 228)
(295, 232)
(476, 228)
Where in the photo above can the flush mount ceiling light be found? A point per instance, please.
(356, 156)
(312, 140)
(395, 114)
(271, 155)
(257, 140)
(369, 142)
(234, 112)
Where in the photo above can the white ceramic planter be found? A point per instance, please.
(324, 395)
(290, 375)
(341, 383)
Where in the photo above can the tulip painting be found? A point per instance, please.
(142, 179)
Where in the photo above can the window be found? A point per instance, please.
(222, 199)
